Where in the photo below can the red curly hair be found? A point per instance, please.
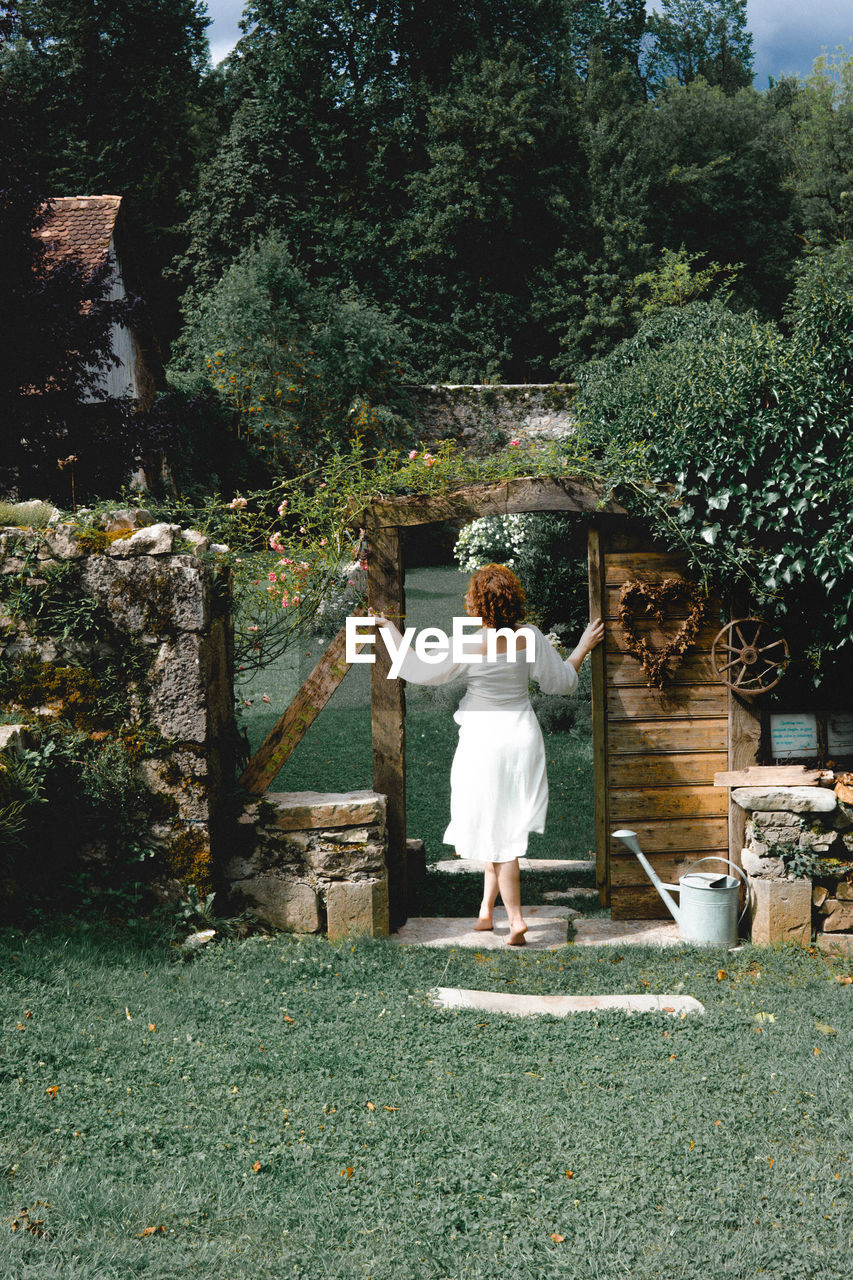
(496, 595)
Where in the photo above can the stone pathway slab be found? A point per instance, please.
(464, 866)
(560, 1006)
(547, 930)
(600, 932)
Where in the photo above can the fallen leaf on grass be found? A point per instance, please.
(152, 1026)
(256, 1167)
(287, 1018)
(721, 973)
(52, 1090)
(29, 1013)
(387, 1108)
(826, 1029)
(672, 1057)
(127, 1014)
(844, 979)
(764, 1017)
(348, 1171)
(816, 1052)
(371, 1106)
(570, 1173)
(669, 1008)
(150, 1231)
(23, 1222)
(557, 1238)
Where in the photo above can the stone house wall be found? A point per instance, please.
(806, 821)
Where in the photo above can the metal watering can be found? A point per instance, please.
(708, 911)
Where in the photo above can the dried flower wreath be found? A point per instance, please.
(652, 599)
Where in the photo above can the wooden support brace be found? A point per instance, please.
(299, 716)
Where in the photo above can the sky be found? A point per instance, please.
(787, 35)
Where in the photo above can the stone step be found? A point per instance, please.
(571, 866)
(547, 930)
(560, 1006)
(566, 895)
(601, 932)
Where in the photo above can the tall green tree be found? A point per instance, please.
(114, 97)
(494, 201)
(821, 143)
(719, 185)
(693, 38)
(337, 106)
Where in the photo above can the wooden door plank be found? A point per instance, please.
(665, 770)
(657, 637)
(677, 609)
(695, 668)
(635, 902)
(686, 734)
(643, 566)
(633, 703)
(385, 595)
(628, 805)
(300, 714)
(629, 871)
(702, 835)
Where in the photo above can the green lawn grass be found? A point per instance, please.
(284, 1107)
(335, 753)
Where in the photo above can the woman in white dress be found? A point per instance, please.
(498, 780)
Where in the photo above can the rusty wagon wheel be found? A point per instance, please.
(748, 655)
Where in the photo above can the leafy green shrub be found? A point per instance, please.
(548, 552)
(301, 367)
(733, 437)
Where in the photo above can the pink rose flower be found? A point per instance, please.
(413, 455)
(513, 444)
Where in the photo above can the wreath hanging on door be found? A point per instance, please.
(643, 600)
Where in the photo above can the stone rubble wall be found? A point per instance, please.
(483, 417)
(310, 862)
(160, 594)
(787, 908)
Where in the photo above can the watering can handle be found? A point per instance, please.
(714, 857)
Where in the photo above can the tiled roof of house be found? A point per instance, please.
(80, 226)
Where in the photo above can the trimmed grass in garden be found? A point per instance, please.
(283, 1107)
(335, 754)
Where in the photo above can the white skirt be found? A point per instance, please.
(498, 784)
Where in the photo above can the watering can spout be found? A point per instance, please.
(629, 839)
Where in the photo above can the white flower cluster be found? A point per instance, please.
(491, 539)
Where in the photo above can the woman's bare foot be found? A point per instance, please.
(484, 924)
(516, 935)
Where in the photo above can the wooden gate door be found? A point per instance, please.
(656, 750)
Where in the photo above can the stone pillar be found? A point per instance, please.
(308, 861)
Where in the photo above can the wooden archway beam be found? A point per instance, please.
(507, 497)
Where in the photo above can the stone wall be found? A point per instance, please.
(807, 823)
(171, 609)
(309, 862)
(481, 417)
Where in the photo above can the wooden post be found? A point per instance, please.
(599, 724)
(385, 594)
(744, 742)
